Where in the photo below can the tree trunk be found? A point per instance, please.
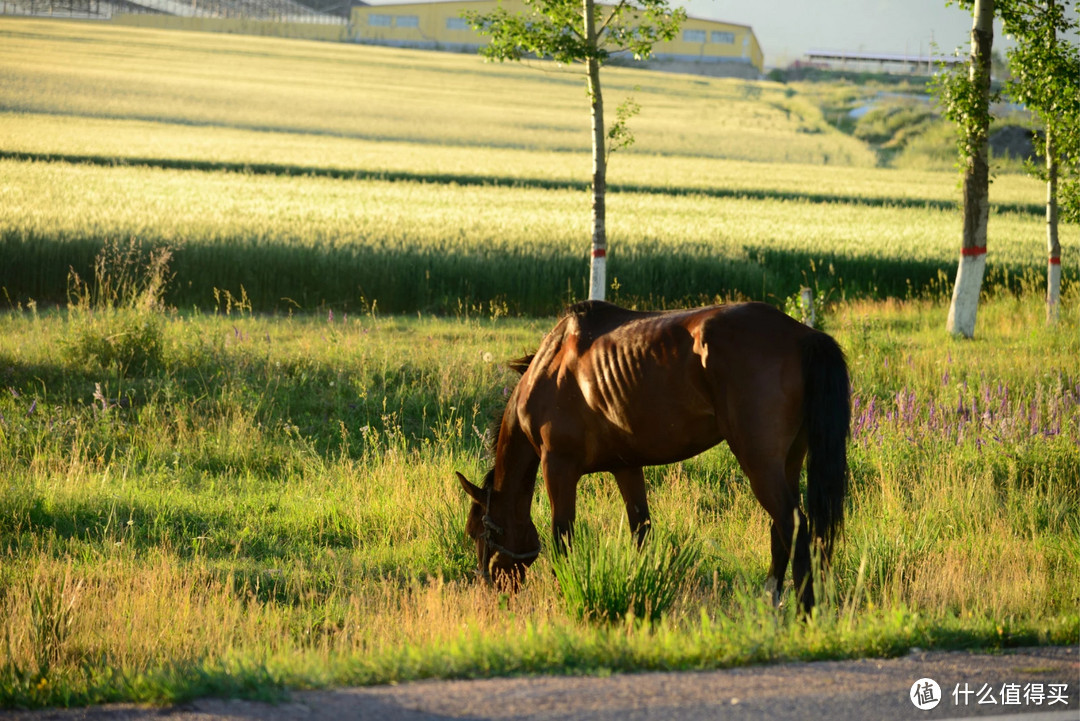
(598, 267)
(1053, 268)
(969, 274)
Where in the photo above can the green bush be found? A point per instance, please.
(892, 124)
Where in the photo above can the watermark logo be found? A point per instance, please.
(925, 694)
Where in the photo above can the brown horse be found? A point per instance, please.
(615, 390)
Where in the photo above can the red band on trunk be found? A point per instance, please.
(1055, 261)
(600, 253)
(971, 252)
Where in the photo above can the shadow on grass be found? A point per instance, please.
(189, 530)
(532, 281)
(254, 503)
(468, 179)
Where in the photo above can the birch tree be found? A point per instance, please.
(967, 103)
(582, 32)
(1045, 69)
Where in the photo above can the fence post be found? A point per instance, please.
(806, 300)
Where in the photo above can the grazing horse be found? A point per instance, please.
(615, 390)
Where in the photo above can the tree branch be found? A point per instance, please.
(607, 21)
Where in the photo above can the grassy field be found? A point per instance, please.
(264, 503)
(199, 497)
(357, 92)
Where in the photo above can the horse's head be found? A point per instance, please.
(505, 546)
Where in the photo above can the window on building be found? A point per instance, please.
(693, 36)
(407, 21)
(720, 36)
(382, 21)
(457, 24)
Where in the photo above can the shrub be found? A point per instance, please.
(893, 124)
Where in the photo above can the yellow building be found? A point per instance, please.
(439, 25)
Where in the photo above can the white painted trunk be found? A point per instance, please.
(965, 299)
(597, 277)
(806, 300)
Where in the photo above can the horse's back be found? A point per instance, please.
(627, 387)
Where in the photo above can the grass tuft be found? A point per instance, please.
(607, 578)
(115, 320)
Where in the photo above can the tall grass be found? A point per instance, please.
(363, 194)
(115, 317)
(165, 144)
(274, 505)
(608, 578)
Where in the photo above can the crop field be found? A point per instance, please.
(230, 153)
(227, 447)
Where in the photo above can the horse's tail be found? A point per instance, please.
(827, 414)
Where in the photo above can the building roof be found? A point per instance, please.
(882, 57)
(407, 3)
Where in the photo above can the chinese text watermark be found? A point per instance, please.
(926, 694)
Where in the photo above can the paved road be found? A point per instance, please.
(840, 690)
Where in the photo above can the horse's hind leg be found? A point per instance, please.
(781, 534)
(775, 483)
(632, 487)
(789, 523)
(804, 586)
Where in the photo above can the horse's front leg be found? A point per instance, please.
(561, 477)
(632, 487)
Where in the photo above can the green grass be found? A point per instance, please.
(606, 578)
(273, 506)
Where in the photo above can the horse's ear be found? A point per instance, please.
(521, 364)
(474, 492)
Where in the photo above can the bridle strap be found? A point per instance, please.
(514, 555)
(489, 524)
(492, 529)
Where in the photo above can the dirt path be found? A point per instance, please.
(840, 690)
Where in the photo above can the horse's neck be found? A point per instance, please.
(516, 462)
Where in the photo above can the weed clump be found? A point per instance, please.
(607, 578)
(115, 322)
